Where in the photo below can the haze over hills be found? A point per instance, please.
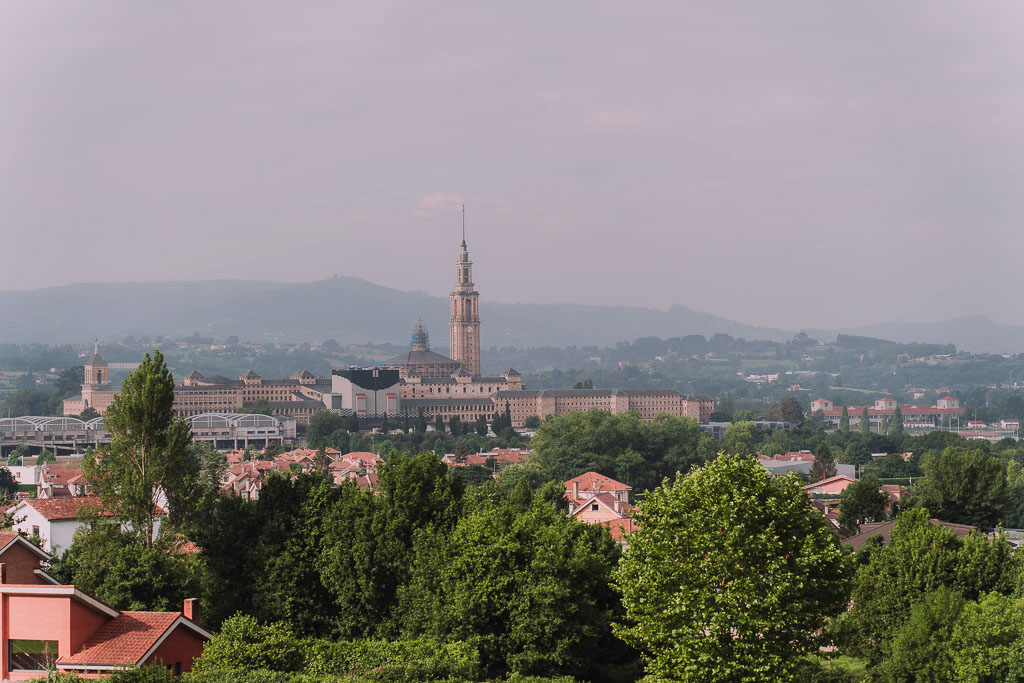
(354, 310)
(345, 308)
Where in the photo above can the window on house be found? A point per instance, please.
(33, 655)
(595, 507)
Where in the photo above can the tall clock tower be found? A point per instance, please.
(465, 312)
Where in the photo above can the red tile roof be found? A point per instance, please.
(67, 508)
(592, 481)
(621, 526)
(123, 640)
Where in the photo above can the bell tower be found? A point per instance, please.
(465, 311)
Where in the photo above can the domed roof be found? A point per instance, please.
(421, 357)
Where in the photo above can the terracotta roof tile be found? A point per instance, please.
(67, 508)
(592, 481)
(123, 640)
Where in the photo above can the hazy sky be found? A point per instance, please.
(781, 163)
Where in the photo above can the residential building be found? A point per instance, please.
(500, 457)
(597, 499)
(55, 520)
(51, 627)
(831, 486)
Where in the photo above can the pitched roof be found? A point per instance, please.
(125, 640)
(67, 508)
(9, 538)
(96, 359)
(823, 482)
(512, 372)
(592, 481)
(73, 507)
(251, 375)
(884, 529)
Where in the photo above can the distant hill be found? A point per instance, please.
(345, 308)
(974, 333)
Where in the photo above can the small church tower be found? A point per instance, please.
(465, 311)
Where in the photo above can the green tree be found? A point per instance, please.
(89, 413)
(322, 461)
(824, 465)
(791, 410)
(865, 422)
(258, 407)
(740, 437)
(502, 579)
(966, 489)
(585, 384)
(532, 422)
(844, 421)
(987, 643)
(18, 455)
(149, 452)
(729, 575)
(455, 425)
(896, 426)
(46, 457)
(70, 381)
(111, 564)
(245, 645)
(421, 422)
(368, 538)
(439, 423)
(8, 484)
(920, 650)
(636, 452)
(322, 425)
(920, 558)
(862, 501)
(481, 426)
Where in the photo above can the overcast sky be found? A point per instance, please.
(782, 163)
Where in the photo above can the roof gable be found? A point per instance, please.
(128, 639)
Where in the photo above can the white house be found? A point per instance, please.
(55, 520)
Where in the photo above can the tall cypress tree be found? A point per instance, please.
(844, 421)
(896, 426)
(865, 422)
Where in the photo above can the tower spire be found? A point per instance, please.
(463, 225)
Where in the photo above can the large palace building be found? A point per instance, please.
(434, 384)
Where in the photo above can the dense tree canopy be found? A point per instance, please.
(623, 446)
(729, 576)
(967, 488)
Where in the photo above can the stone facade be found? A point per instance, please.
(646, 402)
(464, 338)
(97, 391)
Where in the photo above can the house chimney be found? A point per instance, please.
(191, 610)
(576, 489)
